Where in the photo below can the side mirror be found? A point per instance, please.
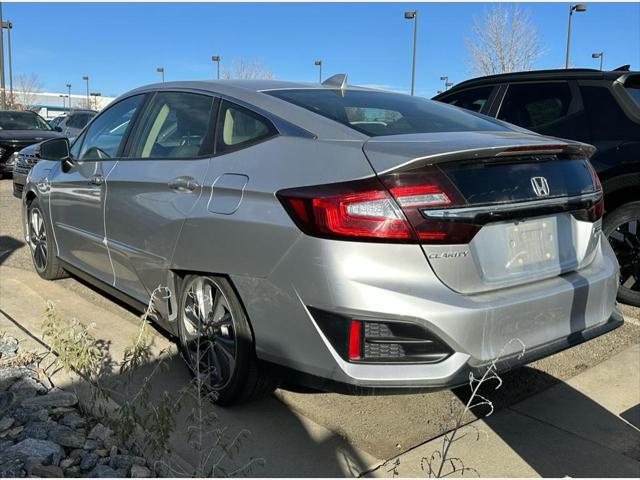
(57, 129)
(55, 149)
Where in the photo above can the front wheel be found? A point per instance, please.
(622, 229)
(40, 240)
(216, 341)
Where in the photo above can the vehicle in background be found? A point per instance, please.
(54, 122)
(19, 129)
(72, 124)
(352, 238)
(597, 107)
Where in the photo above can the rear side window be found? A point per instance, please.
(474, 99)
(632, 84)
(239, 127)
(383, 113)
(607, 121)
(175, 125)
(535, 105)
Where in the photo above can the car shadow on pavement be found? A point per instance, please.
(8, 245)
(561, 431)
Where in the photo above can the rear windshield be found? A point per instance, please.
(382, 113)
(22, 121)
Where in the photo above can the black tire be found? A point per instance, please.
(41, 242)
(247, 380)
(622, 229)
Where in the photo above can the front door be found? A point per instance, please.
(78, 191)
(152, 191)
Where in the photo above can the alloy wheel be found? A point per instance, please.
(37, 238)
(209, 333)
(625, 241)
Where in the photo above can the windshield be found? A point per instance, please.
(382, 113)
(22, 121)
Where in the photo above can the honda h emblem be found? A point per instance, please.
(540, 186)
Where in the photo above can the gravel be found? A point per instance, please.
(43, 434)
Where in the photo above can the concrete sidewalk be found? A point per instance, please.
(588, 426)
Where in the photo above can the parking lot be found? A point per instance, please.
(380, 427)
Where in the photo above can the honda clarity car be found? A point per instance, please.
(347, 238)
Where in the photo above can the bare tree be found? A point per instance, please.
(247, 70)
(27, 87)
(504, 40)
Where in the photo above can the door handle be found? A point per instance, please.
(96, 180)
(184, 184)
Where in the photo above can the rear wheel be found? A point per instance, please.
(216, 341)
(622, 229)
(41, 243)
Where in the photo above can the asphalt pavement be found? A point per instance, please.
(380, 426)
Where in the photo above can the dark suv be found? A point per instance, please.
(600, 108)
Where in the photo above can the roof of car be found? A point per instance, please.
(557, 74)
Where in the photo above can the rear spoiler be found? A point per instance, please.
(578, 149)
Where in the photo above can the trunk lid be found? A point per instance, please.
(532, 204)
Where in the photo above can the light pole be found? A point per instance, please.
(599, 55)
(445, 79)
(8, 25)
(86, 79)
(578, 7)
(95, 96)
(3, 97)
(64, 104)
(69, 97)
(318, 63)
(413, 16)
(216, 58)
(160, 70)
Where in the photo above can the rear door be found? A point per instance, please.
(152, 191)
(78, 190)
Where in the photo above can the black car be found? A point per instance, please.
(592, 106)
(19, 129)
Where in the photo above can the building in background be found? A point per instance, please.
(52, 104)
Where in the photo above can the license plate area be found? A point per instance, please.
(531, 245)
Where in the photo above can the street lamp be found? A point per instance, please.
(578, 7)
(445, 79)
(216, 58)
(64, 104)
(413, 16)
(161, 71)
(69, 88)
(318, 63)
(95, 96)
(86, 79)
(3, 97)
(599, 55)
(8, 26)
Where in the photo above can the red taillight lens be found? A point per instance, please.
(358, 210)
(596, 179)
(354, 349)
(387, 209)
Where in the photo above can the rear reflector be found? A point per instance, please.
(354, 350)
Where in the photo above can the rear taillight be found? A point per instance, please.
(387, 209)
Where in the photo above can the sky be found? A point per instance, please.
(119, 45)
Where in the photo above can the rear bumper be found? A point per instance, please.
(395, 282)
(461, 377)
